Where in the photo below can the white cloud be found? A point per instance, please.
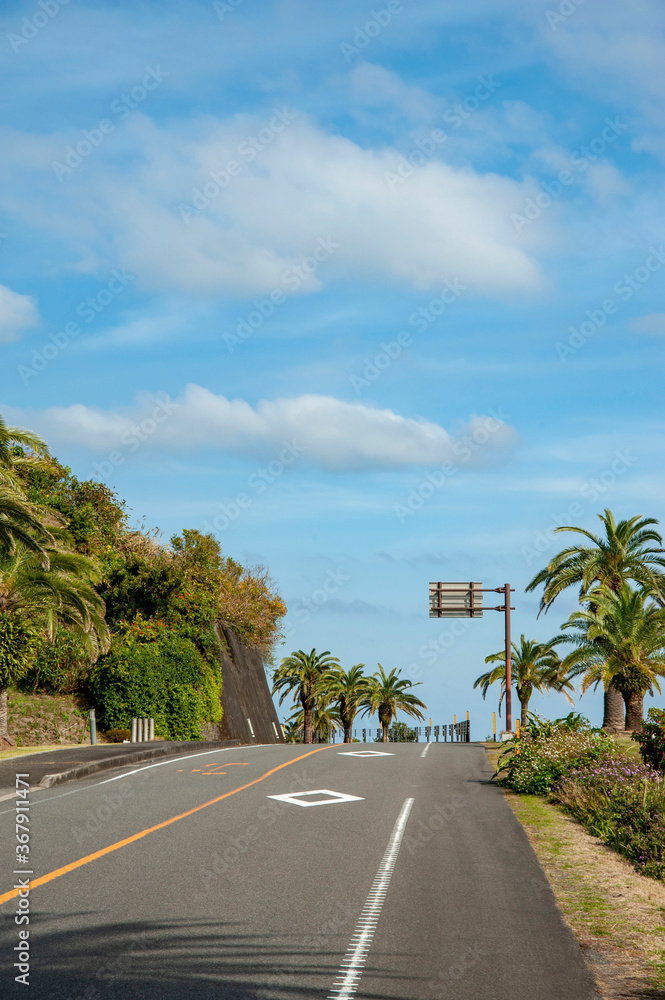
(17, 313)
(374, 86)
(654, 323)
(305, 185)
(323, 430)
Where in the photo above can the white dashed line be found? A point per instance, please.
(352, 966)
(424, 753)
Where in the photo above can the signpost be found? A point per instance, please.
(465, 600)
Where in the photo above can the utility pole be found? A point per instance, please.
(509, 679)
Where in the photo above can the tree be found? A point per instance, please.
(20, 451)
(35, 600)
(629, 550)
(300, 674)
(348, 687)
(21, 524)
(535, 665)
(324, 715)
(21, 520)
(387, 694)
(620, 641)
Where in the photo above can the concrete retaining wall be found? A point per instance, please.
(246, 698)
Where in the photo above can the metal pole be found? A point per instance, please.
(93, 727)
(509, 680)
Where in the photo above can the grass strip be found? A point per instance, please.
(616, 914)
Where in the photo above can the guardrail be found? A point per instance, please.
(454, 732)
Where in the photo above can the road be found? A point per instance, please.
(186, 879)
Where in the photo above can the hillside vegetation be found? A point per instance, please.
(95, 609)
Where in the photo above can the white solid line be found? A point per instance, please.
(126, 774)
(424, 753)
(351, 968)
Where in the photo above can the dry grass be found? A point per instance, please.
(617, 915)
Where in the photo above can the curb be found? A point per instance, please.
(82, 770)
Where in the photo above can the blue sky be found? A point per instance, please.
(374, 292)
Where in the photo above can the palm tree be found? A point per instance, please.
(536, 665)
(300, 674)
(620, 641)
(20, 521)
(387, 694)
(349, 687)
(14, 459)
(35, 600)
(324, 715)
(630, 550)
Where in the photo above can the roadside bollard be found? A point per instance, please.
(133, 736)
(93, 727)
(151, 730)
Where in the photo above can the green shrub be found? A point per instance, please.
(534, 764)
(152, 672)
(60, 667)
(19, 642)
(650, 738)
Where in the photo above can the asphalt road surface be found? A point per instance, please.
(185, 879)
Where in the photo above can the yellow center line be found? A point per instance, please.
(144, 833)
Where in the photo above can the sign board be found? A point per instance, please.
(456, 600)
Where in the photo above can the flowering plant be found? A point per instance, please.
(622, 801)
(534, 765)
(650, 738)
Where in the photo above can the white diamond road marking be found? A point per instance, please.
(364, 753)
(296, 798)
(351, 969)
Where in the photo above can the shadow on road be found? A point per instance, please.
(169, 960)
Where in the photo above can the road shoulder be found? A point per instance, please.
(617, 915)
